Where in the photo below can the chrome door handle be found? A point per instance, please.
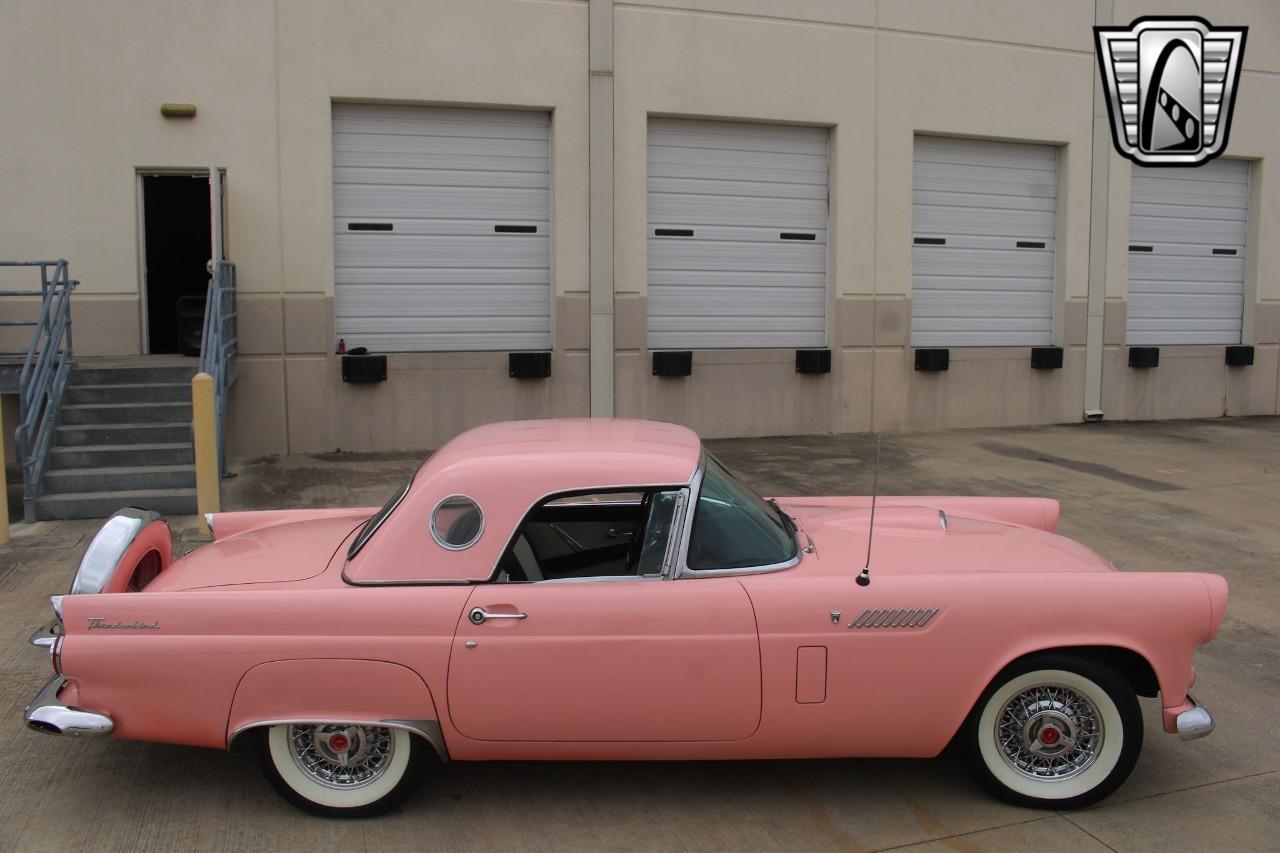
(479, 615)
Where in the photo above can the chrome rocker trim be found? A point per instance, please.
(1194, 722)
(46, 714)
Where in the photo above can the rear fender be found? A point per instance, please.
(367, 692)
(226, 524)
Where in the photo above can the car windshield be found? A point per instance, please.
(371, 526)
(735, 528)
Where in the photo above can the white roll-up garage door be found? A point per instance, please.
(737, 235)
(441, 224)
(983, 228)
(1187, 254)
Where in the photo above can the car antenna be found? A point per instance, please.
(864, 576)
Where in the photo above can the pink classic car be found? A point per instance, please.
(597, 589)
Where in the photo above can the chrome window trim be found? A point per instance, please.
(362, 538)
(683, 572)
(411, 582)
(587, 579)
(675, 538)
(686, 572)
(681, 569)
(569, 502)
(435, 531)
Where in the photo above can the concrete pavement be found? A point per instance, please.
(1196, 495)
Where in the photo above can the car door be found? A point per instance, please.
(627, 660)
(606, 659)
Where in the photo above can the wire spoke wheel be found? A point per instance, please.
(1049, 733)
(1054, 730)
(341, 756)
(341, 769)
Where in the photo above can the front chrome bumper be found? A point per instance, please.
(46, 714)
(1194, 722)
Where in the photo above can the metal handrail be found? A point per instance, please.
(219, 344)
(45, 372)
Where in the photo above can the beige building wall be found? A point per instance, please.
(86, 118)
(503, 53)
(876, 72)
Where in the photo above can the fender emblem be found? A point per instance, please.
(97, 622)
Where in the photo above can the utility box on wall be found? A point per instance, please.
(1046, 358)
(1239, 356)
(360, 369)
(933, 360)
(1144, 357)
(673, 363)
(529, 365)
(813, 361)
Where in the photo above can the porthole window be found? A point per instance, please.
(457, 522)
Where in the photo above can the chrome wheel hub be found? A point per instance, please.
(1049, 733)
(342, 756)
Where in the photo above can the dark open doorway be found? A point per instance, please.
(177, 239)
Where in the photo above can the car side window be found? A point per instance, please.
(457, 522)
(659, 529)
(585, 536)
(733, 527)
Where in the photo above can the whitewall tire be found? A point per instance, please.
(340, 769)
(1054, 731)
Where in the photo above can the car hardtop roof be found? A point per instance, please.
(605, 451)
(506, 469)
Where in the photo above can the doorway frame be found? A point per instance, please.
(140, 227)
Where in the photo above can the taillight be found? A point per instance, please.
(55, 655)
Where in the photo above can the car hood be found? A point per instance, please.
(286, 550)
(931, 536)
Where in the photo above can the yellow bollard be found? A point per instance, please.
(4, 490)
(205, 429)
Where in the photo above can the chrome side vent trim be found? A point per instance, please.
(894, 618)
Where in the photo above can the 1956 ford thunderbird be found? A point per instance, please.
(607, 589)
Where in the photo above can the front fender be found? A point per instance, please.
(1163, 624)
(335, 690)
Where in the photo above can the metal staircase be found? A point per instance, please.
(42, 379)
(123, 439)
(96, 435)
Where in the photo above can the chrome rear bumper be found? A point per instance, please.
(1194, 722)
(46, 714)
